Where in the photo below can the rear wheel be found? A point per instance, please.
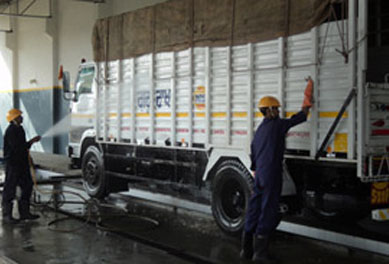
(232, 187)
(94, 178)
(336, 201)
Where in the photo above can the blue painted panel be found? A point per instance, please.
(41, 110)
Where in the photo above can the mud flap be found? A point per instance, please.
(288, 192)
(288, 185)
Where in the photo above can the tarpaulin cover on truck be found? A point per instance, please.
(179, 24)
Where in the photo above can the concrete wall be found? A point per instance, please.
(30, 57)
(6, 70)
(35, 80)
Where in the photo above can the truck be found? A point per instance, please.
(169, 104)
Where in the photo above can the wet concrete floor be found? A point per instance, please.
(132, 235)
(196, 234)
(34, 243)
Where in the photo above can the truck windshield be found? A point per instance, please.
(85, 80)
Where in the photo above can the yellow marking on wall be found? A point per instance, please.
(340, 142)
(114, 115)
(219, 114)
(142, 115)
(383, 215)
(239, 114)
(214, 115)
(380, 214)
(182, 114)
(290, 114)
(379, 158)
(381, 185)
(332, 114)
(31, 89)
(163, 114)
(321, 114)
(379, 193)
(126, 115)
(82, 115)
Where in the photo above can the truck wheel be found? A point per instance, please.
(335, 206)
(94, 179)
(232, 187)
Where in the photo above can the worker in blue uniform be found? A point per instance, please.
(17, 169)
(267, 151)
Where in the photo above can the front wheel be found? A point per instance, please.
(94, 178)
(232, 188)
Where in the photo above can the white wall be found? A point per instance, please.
(34, 54)
(5, 65)
(75, 24)
(34, 48)
(30, 57)
(6, 81)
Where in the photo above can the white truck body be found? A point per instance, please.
(208, 97)
(204, 99)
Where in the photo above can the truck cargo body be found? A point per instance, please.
(181, 122)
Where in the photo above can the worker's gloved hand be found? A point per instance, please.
(308, 94)
(35, 139)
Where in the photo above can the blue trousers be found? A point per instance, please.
(262, 216)
(15, 176)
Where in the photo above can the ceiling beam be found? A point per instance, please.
(23, 12)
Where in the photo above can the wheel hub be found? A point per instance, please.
(233, 201)
(91, 172)
(237, 201)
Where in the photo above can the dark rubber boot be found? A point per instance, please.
(9, 220)
(24, 211)
(7, 215)
(247, 246)
(261, 255)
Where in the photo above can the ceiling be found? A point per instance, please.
(8, 2)
(5, 2)
(22, 8)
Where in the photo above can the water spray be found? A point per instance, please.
(62, 127)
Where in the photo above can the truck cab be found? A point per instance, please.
(82, 107)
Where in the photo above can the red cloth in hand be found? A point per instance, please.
(308, 94)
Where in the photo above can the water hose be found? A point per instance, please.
(58, 192)
(90, 204)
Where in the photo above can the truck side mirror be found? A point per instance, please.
(68, 94)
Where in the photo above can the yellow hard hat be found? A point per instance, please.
(268, 101)
(13, 113)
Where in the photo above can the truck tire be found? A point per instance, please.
(335, 206)
(232, 186)
(94, 178)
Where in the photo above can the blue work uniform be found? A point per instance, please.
(267, 151)
(17, 170)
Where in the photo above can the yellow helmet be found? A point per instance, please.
(268, 101)
(13, 113)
